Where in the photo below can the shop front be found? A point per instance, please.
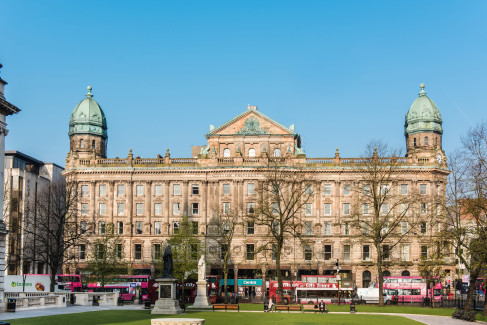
(250, 289)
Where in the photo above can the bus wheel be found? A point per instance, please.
(286, 301)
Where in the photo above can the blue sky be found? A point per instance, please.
(344, 72)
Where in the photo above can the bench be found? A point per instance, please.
(288, 308)
(226, 307)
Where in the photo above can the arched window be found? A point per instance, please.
(277, 153)
(251, 152)
(386, 273)
(93, 144)
(81, 143)
(226, 153)
(425, 141)
(366, 277)
(405, 273)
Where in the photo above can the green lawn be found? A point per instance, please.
(136, 317)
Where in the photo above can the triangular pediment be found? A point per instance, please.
(251, 122)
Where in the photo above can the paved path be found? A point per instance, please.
(425, 319)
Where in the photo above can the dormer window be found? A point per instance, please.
(226, 153)
(81, 143)
(251, 152)
(425, 141)
(277, 153)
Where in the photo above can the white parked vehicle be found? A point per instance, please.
(371, 295)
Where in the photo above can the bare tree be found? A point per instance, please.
(56, 231)
(105, 257)
(282, 196)
(222, 227)
(380, 215)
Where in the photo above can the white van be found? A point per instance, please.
(371, 295)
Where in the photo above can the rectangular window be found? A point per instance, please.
(195, 226)
(366, 189)
(175, 209)
(176, 189)
(308, 228)
(327, 228)
(120, 227)
(250, 252)
(119, 251)
(423, 228)
(83, 228)
(385, 208)
(275, 208)
(100, 251)
(250, 189)
(366, 252)
(101, 227)
(223, 250)
(175, 227)
(308, 209)
(138, 251)
(157, 209)
(84, 209)
(250, 207)
(226, 207)
(346, 189)
(422, 189)
(250, 228)
(405, 252)
(327, 252)
(275, 227)
(139, 227)
(120, 190)
(327, 209)
(139, 190)
(404, 208)
(384, 189)
(424, 252)
(102, 209)
(103, 190)
(365, 208)
(404, 227)
(404, 189)
(273, 252)
(195, 207)
(308, 253)
(157, 228)
(158, 190)
(85, 190)
(386, 252)
(195, 189)
(139, 207)
(226, 189)
(120, 209)
(156, 251)
(365, 228)
(346, 252)
(327, 190)
(82, 251)
(346, 228)
(346, 208)
(423, 209)
(308, 189)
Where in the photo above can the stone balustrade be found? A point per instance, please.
(34, 300)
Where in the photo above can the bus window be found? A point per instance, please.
(415, 292)
(322, 280)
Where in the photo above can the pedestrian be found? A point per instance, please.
(270, 306)
(322, 306)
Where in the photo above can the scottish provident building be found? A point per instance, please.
(146, 197)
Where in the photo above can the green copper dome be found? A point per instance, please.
(423, 116)
(88, 118)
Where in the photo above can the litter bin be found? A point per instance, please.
(352, 307)
(120, 301)
(147, 304)
(11, 304)
(96, 301)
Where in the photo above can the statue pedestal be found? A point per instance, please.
(167, 302)
(201, 300)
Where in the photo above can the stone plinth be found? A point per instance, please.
(177, 321)
(167, 303)
(201, 300)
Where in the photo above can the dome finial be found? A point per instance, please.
(422, 92)
(89, 94)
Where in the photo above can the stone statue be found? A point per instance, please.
(167, 271)
(201, 268)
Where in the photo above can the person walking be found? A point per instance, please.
(270, 306)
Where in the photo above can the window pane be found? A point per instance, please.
(250, 227)
(346, 252)
(250, 189)
(139, 209)
(346, 189)
(346, 208)
(139, 190)
(327, 228)
(195, 189)
(176, 189)
(84, 190)
(103, 209)
(84, 208)
(120, 209)
(327, 190)
(103, 190)
(327, 209)
(308, 228)
(158, 190)
(138, 227)
(308, 209)
(175, 209)
(157, 228)
(226, 188)
(195, 208)
(404, 189)
(327, 252)
(422, 189)
(120, 190)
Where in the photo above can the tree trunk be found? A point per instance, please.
(381, 279)
(471, 288)
(485, 306)
(279, 276)
(53, 281)
(182, 291)
(225, 287)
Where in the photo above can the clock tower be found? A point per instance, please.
(423, 130)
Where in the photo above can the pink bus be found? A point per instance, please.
(126, 285)
(410, 288)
